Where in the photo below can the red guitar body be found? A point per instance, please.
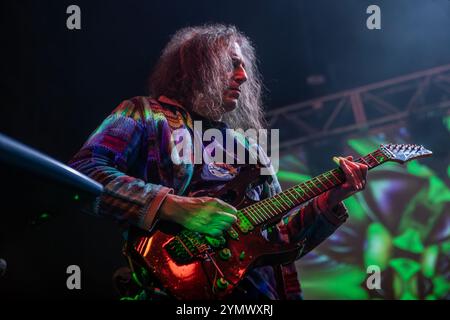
(214, 273)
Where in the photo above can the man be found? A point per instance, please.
(206, 74)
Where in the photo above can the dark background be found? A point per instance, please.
(57, 86)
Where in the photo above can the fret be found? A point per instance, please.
(300, 192)
(369, 161)
(275, 198)
(323, 181)
(325, 175)
(281, 196)
(376, 161)
(257, 211)
(309, 190)
(336, 177)
(260, 209)
(288, 194)
(249, 218)
(271, 207)
(296, 195)
(317, 184)
(312, 185)
(257, 214)
(275, 204)
(365, 162)
(381, 156)
(331, 177)
(273, 213)
(250, 215)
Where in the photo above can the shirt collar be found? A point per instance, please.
(172, 102)
(193, 115)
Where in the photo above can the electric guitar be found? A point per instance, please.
(193, 266)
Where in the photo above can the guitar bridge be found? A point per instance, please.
(187, 246)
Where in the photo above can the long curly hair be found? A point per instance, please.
(193, 67)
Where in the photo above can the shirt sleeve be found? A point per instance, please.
(107, 157)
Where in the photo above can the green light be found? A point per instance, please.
(405, 268)
(380, 159)
(363, 146)
(76, 197)
(44, 216)
(418, 169)
(355, 209)
(378, 250)
(447, 122)
(409, 241)
(438, 191)
(292, 176)
(429, 259)
(338, 282)
(405, 281)
(446, 247)
(441, 286)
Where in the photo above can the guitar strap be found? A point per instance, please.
(288, 286)
(279, 277)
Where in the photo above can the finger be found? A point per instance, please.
(222, 225)
(356, 170)
(349, 175)
(227, 217)
(360, 170)
(225, 206)
(214, 232)
(363, 169)
(337, 159)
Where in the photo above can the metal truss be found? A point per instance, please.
(374, 106)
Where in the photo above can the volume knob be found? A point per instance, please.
(222, 283)
(225, 254)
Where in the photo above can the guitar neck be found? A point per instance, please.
(287, 200)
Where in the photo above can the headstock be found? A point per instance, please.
(404, 152)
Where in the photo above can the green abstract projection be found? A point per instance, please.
(400, 223)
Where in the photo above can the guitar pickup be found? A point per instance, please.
(243, 223)
(233, 233)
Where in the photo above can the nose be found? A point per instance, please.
(240, 75)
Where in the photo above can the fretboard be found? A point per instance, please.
(287, 200)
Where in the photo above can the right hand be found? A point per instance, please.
(206, 215)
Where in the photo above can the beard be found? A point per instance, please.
(210, 111)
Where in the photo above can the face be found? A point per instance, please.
(237, 77)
